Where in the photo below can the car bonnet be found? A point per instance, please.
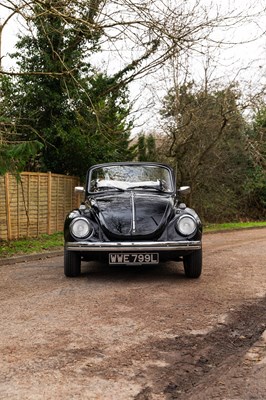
(133, 213)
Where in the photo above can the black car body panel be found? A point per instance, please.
(133, 210)
(116, 214)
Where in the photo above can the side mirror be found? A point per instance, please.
(79, 189)
(184, 190)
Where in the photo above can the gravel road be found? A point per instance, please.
(138, 333)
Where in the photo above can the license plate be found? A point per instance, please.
(134, 258)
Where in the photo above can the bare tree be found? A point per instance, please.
(141, 35)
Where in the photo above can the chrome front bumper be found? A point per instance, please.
(134, 246)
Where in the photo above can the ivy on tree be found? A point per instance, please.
(77, 114)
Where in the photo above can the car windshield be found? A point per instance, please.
(131, 177)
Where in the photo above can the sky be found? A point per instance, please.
(243, 60)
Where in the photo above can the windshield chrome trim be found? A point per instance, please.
(132, 163)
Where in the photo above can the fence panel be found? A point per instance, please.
(35, 204)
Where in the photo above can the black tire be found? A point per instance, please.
(193, 264)
(72, 263)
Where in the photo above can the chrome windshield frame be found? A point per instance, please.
(130, 164)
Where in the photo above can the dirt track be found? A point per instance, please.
(135, 333)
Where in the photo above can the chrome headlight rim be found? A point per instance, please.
(182, 230)
(87, 231)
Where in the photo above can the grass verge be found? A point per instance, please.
(233, 225)
(31, 245)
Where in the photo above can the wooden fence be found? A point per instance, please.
(35, 204)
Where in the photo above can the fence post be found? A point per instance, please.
(38, 204)
(8, 215)
(49, 202)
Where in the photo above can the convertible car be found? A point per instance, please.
(132, 215)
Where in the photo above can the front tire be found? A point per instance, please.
(193, 264)
(72, 264)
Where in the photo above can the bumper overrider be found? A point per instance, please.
(181, 245)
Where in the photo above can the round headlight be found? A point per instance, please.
(186, 225)
(80, 228)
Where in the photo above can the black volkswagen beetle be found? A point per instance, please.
(132, 215)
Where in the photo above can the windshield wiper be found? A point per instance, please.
(108, 188)
(146, 187)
